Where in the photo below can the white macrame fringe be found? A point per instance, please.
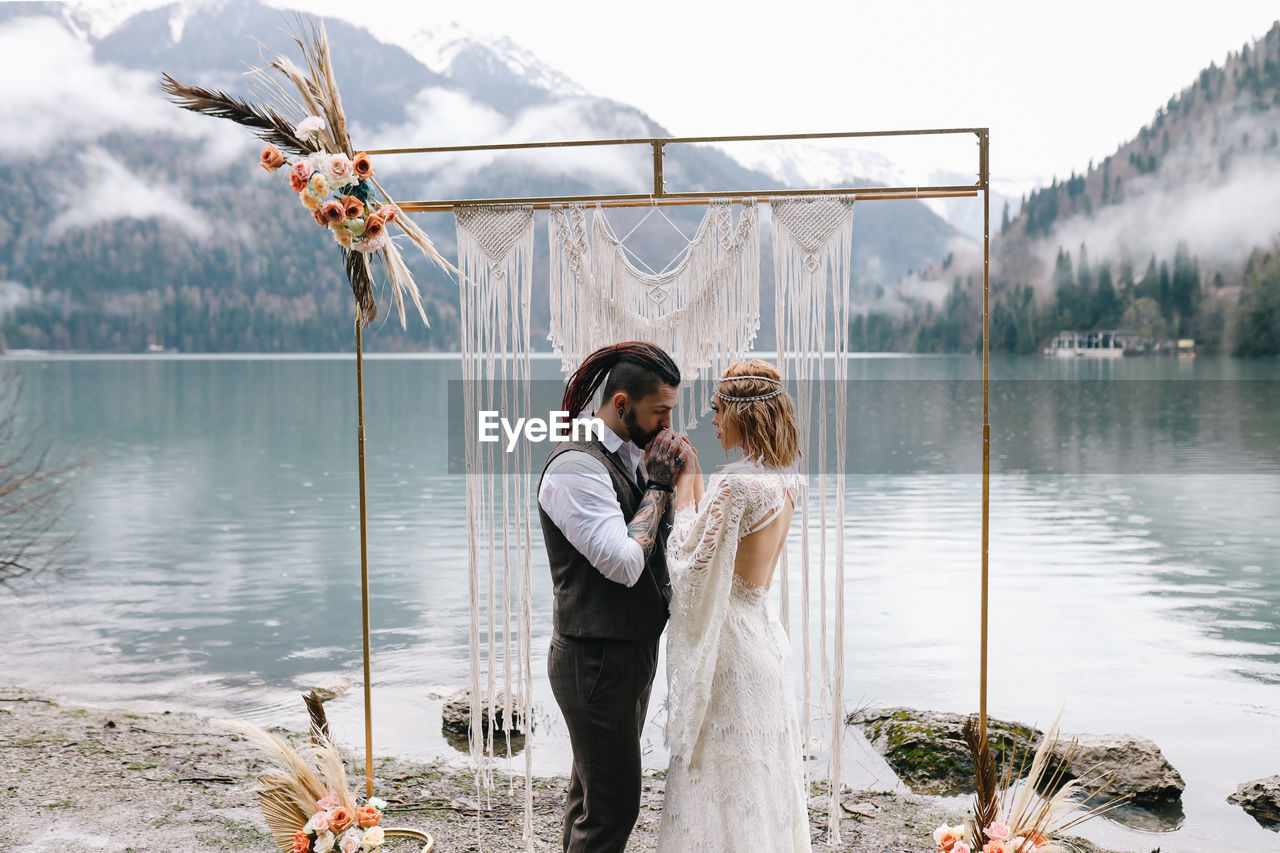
(495, 258)
(812, 262)
(704, 311)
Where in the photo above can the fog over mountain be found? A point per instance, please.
(148, 225)
(1204, 173)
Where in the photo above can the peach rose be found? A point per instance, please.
(961, 847)
(298, 184)
(388, 212)
(319, 184)
(271, 158)
(995, 847)
(352, 206)
(302, 169)
(327, 802)
(301, 842)
(318, 213)
(948, 836)
(320, 821)
(309, 199)
(998, 831)
(374, 836)
(362, 165)
(373, 227)
(368, 816)
(340, 818)
(332, 212)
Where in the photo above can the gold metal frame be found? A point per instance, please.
(428, 843)
(660, 196)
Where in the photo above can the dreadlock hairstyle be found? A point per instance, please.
(636, 367)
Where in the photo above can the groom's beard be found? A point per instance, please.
(638, 437)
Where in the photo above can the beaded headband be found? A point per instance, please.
(764, 396)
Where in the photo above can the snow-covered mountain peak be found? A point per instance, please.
(438, 48)
(97, 19)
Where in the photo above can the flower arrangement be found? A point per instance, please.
(307, 804)
(331, 179)
(336, 189)
(335, 828)
(1009, 818)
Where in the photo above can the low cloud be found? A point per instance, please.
(54, 93)
(1218, 193)
(106, 191)
(439, 111)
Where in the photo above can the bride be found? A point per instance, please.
(736, 781)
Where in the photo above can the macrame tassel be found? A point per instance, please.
(495, 257)
(704, 309)
(812, 259)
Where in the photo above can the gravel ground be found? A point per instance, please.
(76, 779)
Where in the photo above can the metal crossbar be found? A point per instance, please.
(659, 195)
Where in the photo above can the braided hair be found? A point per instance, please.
(637, 367)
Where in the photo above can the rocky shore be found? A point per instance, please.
(83, 779)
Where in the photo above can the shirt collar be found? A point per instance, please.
(612, 442)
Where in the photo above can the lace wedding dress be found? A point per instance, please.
(736, 780)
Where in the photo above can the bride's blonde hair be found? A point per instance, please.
(766, 426)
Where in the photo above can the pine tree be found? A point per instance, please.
(1106, 304)
(1086, 313)
(1065, 290)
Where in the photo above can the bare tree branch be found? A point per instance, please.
(34, 489)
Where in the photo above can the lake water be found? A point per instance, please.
(1135, 569)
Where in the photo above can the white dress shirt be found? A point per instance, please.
(578, 495)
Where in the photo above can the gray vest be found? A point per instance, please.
(587, 604)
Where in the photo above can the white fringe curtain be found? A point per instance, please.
(704, 310)
(812, 268)
(495, 257)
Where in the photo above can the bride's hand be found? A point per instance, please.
(691, 466)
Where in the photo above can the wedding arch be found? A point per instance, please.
(704, 308)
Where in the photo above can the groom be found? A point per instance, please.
(605, 508)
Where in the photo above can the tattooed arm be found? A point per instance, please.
(664, 459)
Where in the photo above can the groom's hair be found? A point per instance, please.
(637, 367)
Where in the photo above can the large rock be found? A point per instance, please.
(927, 749)
(1261, 799)
(1140, 769)
(456, 713)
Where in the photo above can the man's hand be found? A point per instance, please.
(665, 457)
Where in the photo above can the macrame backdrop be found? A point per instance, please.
(495, 257)
(704, 310)
(812, 272)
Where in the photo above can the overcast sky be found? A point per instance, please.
(1057, 83)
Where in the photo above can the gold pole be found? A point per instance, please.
(669, 199)
(984, 148)
(364, 558)
(674, 140)
(657, 169)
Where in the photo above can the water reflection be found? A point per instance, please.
(1134, 572)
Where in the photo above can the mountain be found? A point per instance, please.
(1174, 236)
(148, 226)
(1205, 173)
